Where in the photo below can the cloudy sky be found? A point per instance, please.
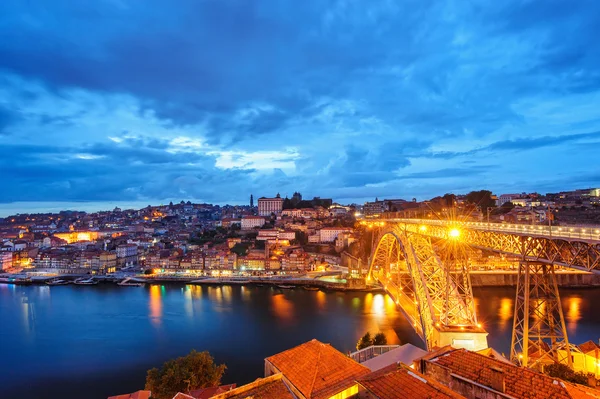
(143, 101)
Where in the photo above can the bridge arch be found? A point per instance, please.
(434, 299)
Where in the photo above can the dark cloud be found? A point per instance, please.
(328, 97)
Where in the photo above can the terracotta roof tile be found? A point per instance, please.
(589, 346)
(519, 382)
(400, 382)
(272, 387)
(318, 370)
(135, 395)
(206, 393)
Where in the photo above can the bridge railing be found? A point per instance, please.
(370, 352)
(579, 232)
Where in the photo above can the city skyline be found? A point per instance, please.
(118, 104)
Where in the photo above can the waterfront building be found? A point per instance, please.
(6, 260)
(268, 206)
(317, 371)
(296, 259)
(127, 255)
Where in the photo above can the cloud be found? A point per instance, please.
(141, 100)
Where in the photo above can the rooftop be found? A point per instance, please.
(397, 381)
(519, 382)
(318, 370)
(272, 387)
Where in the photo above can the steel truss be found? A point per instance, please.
(574, 253)
(440, 293)
(539, 334)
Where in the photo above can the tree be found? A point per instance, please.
(194, 371)
(379, 339)
(482, 198)
(565, 373)
(364, 342)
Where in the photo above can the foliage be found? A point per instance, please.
(196, 370)
(364, 342)
(240, 249)
(259, 244)
(301, 238)
(482, 198)
(504, 208)
(565, 373)
(379, 339)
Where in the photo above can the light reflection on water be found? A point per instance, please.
(573, 314)
(44, 321)
(155, 305)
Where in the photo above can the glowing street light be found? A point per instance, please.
(423, 228)
(454, 233)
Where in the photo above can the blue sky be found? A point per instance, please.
(143, 101)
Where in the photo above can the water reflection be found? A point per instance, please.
(505, 313)
(156, 305)
(246, 294)
(573, 313)
(282, 307)
(188, 301)
(321, 299)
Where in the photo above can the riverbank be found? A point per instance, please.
(570, 279)
(287, 282)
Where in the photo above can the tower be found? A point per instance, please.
(251, 201)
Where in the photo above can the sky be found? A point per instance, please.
(145, 101)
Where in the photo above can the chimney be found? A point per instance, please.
(497, 379)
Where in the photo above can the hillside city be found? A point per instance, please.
(270, 236)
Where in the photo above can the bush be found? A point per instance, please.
(364, 342)
(565, 373)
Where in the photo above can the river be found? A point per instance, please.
(96, 341)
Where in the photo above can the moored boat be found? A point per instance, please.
(128, 283)
(286, 287)
(308, 288)
(57, 281)
(86, 281)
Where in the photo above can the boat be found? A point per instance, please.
(128, 283)
(57, 281)
(306, 287)
(86, 281)
(286, 287)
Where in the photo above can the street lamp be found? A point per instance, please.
(454, 233)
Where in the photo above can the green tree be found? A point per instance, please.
(563, 372)
(194, 371)
(240, 249)
(482, 198)
(379, 339)
(364, 342)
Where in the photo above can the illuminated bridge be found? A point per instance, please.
(424, 266)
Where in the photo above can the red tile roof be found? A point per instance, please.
(589, 346)
(519, 382)
(317, 370)
(273, 387)
(397, 381)
(135, 395)
(207, 393)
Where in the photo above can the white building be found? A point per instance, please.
(329, 234)
(5, 260)
(275, 234)
(504, 198)
(127, 255)
(250, 222)
(267, 206)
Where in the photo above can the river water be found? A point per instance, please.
(82, 341)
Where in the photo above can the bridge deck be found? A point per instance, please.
(585, 233)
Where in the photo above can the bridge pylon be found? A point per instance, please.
(539, 334)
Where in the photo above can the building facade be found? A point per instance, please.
(268, 206)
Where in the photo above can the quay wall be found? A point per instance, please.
(510, 279)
